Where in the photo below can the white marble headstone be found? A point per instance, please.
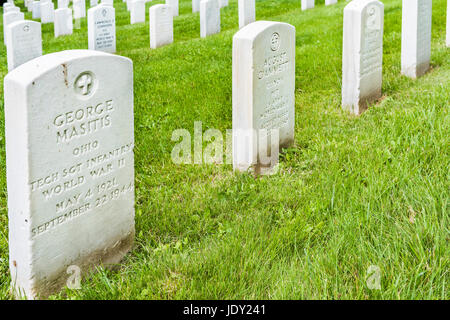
(247, 13)
(63, 22)
(209, 17)
(79, 9)
(9, 18)
(223, 3)
(36, 10)
(174, 4)
(195, 5)
(330, 2)
(362, 57)
(263, 91)
(93, 3)
(416, 37)
(107, 2)
(307, 4)
(137, 11)
(70, 166)
(10, 9)
(47, 12)
(24, 42)
(63, 4)
(102, 29)
(161, 25)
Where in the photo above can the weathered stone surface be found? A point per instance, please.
(209, 17)
(263, 92)
(416, 37)
(24, 42)
(70, 166)
(63, 22)
(102, 29)
(161, 25)
(362, 54)
(247, 13)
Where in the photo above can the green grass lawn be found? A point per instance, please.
(352, 192)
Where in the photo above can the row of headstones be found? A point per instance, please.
(101, 23)
(70, 137)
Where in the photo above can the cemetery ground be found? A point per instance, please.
(353, 192)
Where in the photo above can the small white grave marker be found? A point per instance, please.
(70, 167)
(9, 18)
(195, 5)
(62, 4)
(246, 10)
(307, 4)
(330, 2)
(137, 11)
(36, 10)
(209, 17)
(416, 37)
(263, 93)
(63, 22)
(161, 25)
(24, 42)
(102, 29)
(174, 5)
(47, 12)
(79, 9)
(362, 57)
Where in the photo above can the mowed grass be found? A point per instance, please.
(351, 193)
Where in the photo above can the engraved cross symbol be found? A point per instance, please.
(83, 83)
(26, 28)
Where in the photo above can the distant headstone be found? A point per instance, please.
(24, 42)
(93, 3)
(416, 37)
(47, 12)
(161, 25)
(330, 2)
(29, 4)
(263, 93)
(63, 4)
(102, 29)
(195, 5)
(63, 22)
(70, 167)
(36, 10)
(79, 9)
(362, 54)
(174, 5)
(10, 8)
(137, 12)
(246, 10)
(307, 4)
(9, 18)
(223, 3)
(209, 17)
